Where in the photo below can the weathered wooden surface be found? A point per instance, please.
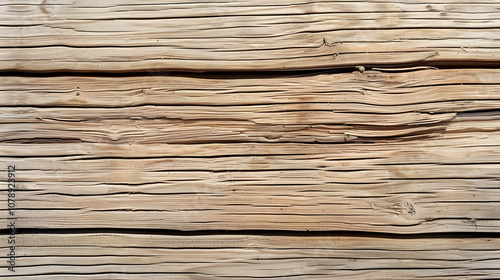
(410, 152)
(131, 256)
(152, 35)
(318, 109)
(155, 174)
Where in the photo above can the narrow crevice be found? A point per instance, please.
(306, 233)
(223, 74)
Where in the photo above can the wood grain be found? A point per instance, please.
(409, 152)
(124, 36)
(134, 256)
(329, 108)
(227, 139)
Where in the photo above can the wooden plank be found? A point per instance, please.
(410, 152)
(153, 35)
(135, 256)
(321, 109)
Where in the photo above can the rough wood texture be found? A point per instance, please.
(318, 109)
(152, 35)
(203, 257)
(132, 162)
(410, 152)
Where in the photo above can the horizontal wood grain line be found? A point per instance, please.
(245, 36)
(150, 131)
(56, 256)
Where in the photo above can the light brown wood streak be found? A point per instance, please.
(410, 152)
(120, 36)
(130, 256)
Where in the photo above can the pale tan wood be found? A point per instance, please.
(409, 152)
(322, 109)
(151, 256)
(384, 188)
(121, 36)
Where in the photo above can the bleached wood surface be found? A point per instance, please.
(155, 35)
(130, 256)
(409, 152)
(313, 109)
